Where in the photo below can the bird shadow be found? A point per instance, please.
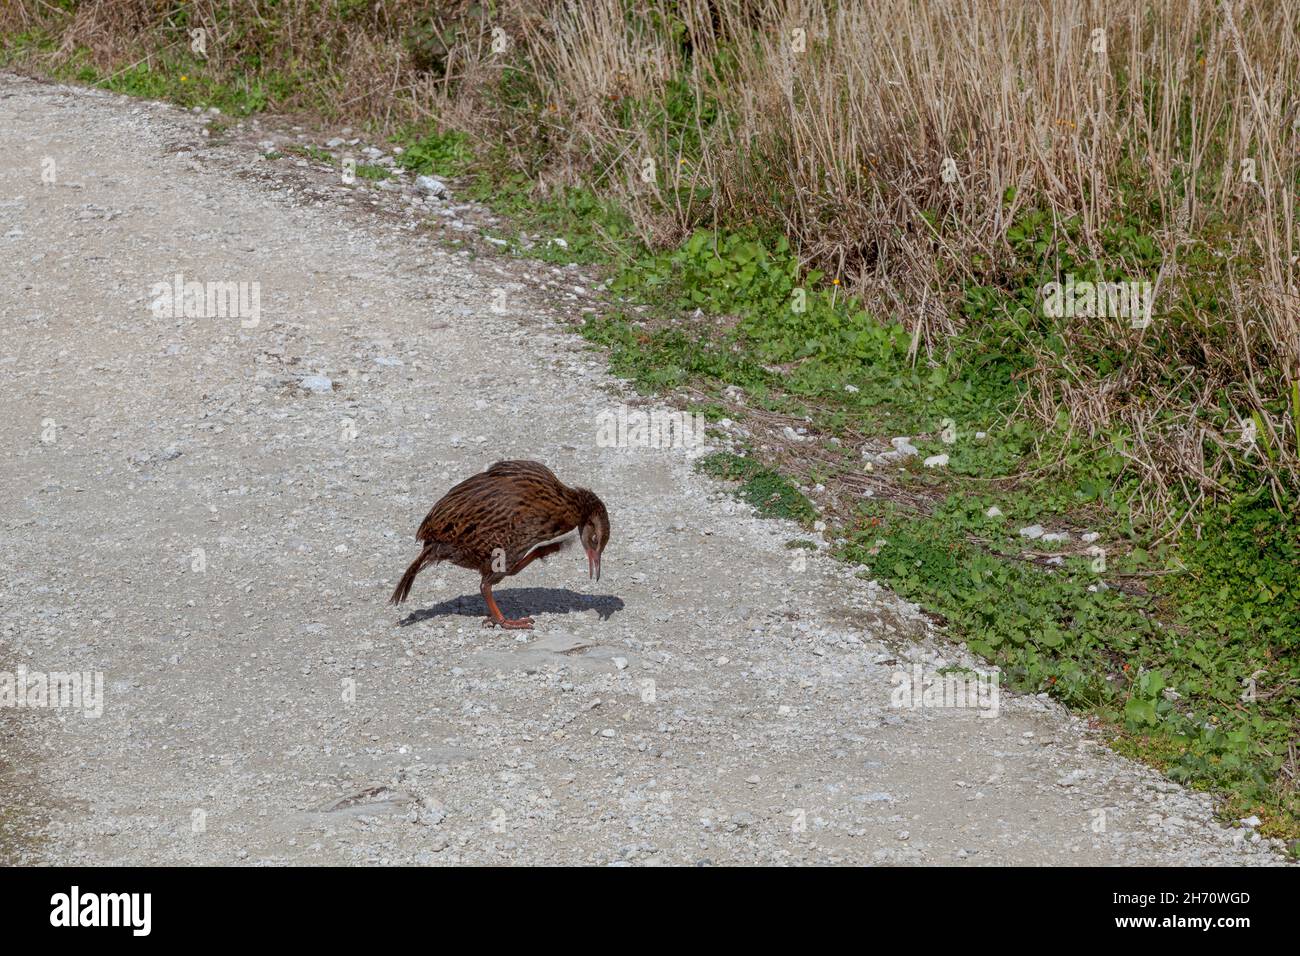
(521, 602)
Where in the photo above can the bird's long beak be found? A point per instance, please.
(593, 563)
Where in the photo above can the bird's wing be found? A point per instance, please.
(523, 470)
(513, 505)
(459, 513)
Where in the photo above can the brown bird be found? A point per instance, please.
(500, 521)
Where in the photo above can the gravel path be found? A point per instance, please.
(190, 511)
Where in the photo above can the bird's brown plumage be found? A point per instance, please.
(500, 520)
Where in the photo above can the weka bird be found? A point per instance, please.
(500, 521)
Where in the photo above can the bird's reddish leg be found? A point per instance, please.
(499, 619)
(524, 623)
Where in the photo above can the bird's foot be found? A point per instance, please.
(522, 624)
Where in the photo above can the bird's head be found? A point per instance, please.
(593, 529)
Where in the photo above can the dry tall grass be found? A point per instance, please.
(834, 122)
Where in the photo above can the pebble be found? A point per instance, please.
(433, 186)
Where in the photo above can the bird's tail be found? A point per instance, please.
(431, 554)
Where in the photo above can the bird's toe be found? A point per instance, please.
(519, 624)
